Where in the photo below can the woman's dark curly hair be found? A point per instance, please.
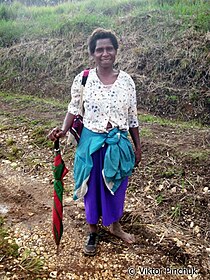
(101, 33)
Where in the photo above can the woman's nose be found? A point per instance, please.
(105, 52)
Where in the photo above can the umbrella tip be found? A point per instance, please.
(57, 251)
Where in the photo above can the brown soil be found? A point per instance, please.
(167, 204)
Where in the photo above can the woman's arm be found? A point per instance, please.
(134, 132)
(59, 133)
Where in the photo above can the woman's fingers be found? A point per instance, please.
(54, 134)
(137, 157)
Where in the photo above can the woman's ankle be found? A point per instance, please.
(93, 228)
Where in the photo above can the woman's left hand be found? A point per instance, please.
(137, 156)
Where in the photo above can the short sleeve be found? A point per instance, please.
(132, 110)
(74, 105)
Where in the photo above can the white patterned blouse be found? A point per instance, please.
(114, 103)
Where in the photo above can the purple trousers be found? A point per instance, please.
(99, 202)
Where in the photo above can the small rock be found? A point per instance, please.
(208, 250)
(53, 274)
(196, 229)
(173, 190)
(6, 161)
(191, 224)
(30, 214)
(35, 237)
(205, 190)
(14, 164)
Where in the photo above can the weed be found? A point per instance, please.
(8, 246)
(30, 263)
(168, 173)
(172, 98)
(194, 96)
(198, 155)
(183, 183)
(10, 142)
(159, 199)
(39, 136)
(146, 132)
(35, 122)
(12, 153)
(176, 211)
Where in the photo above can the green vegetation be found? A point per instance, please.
(167, 122)
(10, 142)
(39, 135)
(176, 211)
(197, 155)
(159, 199)
(166, 43)
(19, 22)
(8, 247)
(146, 132)
(168, 173)
(29, 100)
(30, 263)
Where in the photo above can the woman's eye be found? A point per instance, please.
(99, 50)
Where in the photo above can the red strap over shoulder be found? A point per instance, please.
(85, 76)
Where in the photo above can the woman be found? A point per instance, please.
(104, 157)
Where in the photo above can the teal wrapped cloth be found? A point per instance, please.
(118, 162)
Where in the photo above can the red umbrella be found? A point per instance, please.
(59, 171)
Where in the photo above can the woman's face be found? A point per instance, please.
(105, 53)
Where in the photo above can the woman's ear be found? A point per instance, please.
(91, 61)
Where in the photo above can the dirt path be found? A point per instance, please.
(167, 205)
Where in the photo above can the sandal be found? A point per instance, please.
(91, 244)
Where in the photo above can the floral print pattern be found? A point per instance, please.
(114, 103)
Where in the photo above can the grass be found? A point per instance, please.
(30, 263)
(176, 211)
(39, 135)
(145, 132)
(10, 141)
(9, 250)
(198, 156)
(8, 246)
(167, 122)
(159, 199)
(197, 14)
(39, 127)
(18, 21)
(26, 99)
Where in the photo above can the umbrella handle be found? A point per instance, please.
(56, 145)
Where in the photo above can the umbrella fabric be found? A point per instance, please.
(59, 171)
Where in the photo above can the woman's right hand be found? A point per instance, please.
(56, 133)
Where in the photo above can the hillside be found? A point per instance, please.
(166, 52)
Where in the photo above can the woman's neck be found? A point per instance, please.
(105, 71)
(107, 76)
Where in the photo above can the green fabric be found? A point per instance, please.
(118, 162)
(58, 186)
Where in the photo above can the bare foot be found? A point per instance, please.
(116, 230)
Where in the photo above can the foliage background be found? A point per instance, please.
(164, 46)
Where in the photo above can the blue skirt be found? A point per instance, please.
(99, 202)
